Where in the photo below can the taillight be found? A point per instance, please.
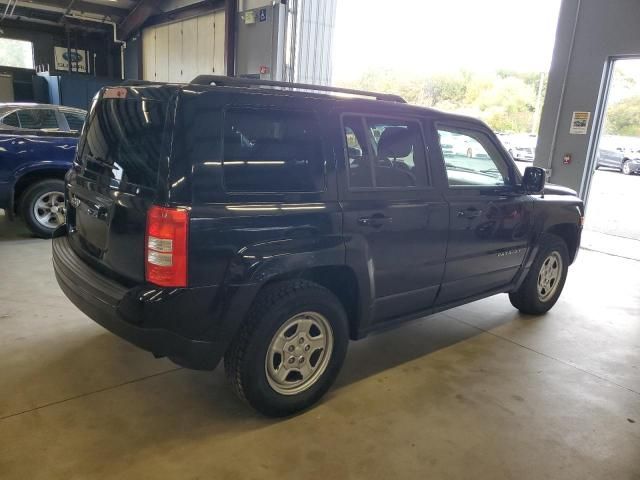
(166, 246)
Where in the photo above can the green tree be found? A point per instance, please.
(506, 100)
(623, 118)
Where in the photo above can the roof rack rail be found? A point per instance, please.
(133, 83)
(250, 82)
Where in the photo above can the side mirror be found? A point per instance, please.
(533, 180)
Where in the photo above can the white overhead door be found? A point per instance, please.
(179, 51)
(206, 44)
(149, 54)
(175, 52)
(189, 49)
(162, 54)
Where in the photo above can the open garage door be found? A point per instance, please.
(614, 177)
(179, 51)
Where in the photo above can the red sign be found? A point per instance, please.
(264, 69)
(566, 160)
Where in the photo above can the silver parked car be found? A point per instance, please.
(627, 162)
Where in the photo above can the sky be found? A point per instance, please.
(427, 36)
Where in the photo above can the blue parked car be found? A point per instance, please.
(37, 146)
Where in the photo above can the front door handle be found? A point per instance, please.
(469, 213)
(375, 221)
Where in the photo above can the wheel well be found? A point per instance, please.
(569, 233)
(340, 280)
(30, 178)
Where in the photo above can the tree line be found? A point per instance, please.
(508, 101)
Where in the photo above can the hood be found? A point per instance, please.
(553, 189)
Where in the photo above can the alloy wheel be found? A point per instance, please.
(549, 276)
(299, 353)
(48, 209)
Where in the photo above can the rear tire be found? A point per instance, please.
(42, 207)
(290, 348)
(544, 282)
(626, 167)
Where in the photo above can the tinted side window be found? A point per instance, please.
(384, 153)
(398, 147)
(471, 159)
(272, 151)
(38, 119)
(74, 120)
(11, 120)
(359, 163)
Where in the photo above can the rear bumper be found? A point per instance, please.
(134, 316)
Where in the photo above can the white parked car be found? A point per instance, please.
(521, 147)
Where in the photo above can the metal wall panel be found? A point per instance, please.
(314, 43)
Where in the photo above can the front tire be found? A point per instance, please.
(289, 349)
(626, 167)
(543, 284)
(42, 207)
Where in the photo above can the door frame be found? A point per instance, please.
(598, 124)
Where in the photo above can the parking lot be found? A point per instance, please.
(613, 203)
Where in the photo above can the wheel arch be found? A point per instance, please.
(340, 280)
(27, 179)
(568, 232)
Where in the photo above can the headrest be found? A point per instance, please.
(395, 142)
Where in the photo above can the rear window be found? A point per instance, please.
(272, 151)
(124, 140)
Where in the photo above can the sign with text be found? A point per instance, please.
(77, 59)
(579, 123)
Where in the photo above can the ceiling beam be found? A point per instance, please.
(136, 18)
(77, 6)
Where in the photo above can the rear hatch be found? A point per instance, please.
(117, 175)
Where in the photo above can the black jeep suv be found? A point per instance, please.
(270, 223)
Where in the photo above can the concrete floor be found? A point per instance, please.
(478, 392)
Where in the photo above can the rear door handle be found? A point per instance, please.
(375, 221)
(469, 213)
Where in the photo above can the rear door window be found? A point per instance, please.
(38, 119)
(384, 153)
(267, 150)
